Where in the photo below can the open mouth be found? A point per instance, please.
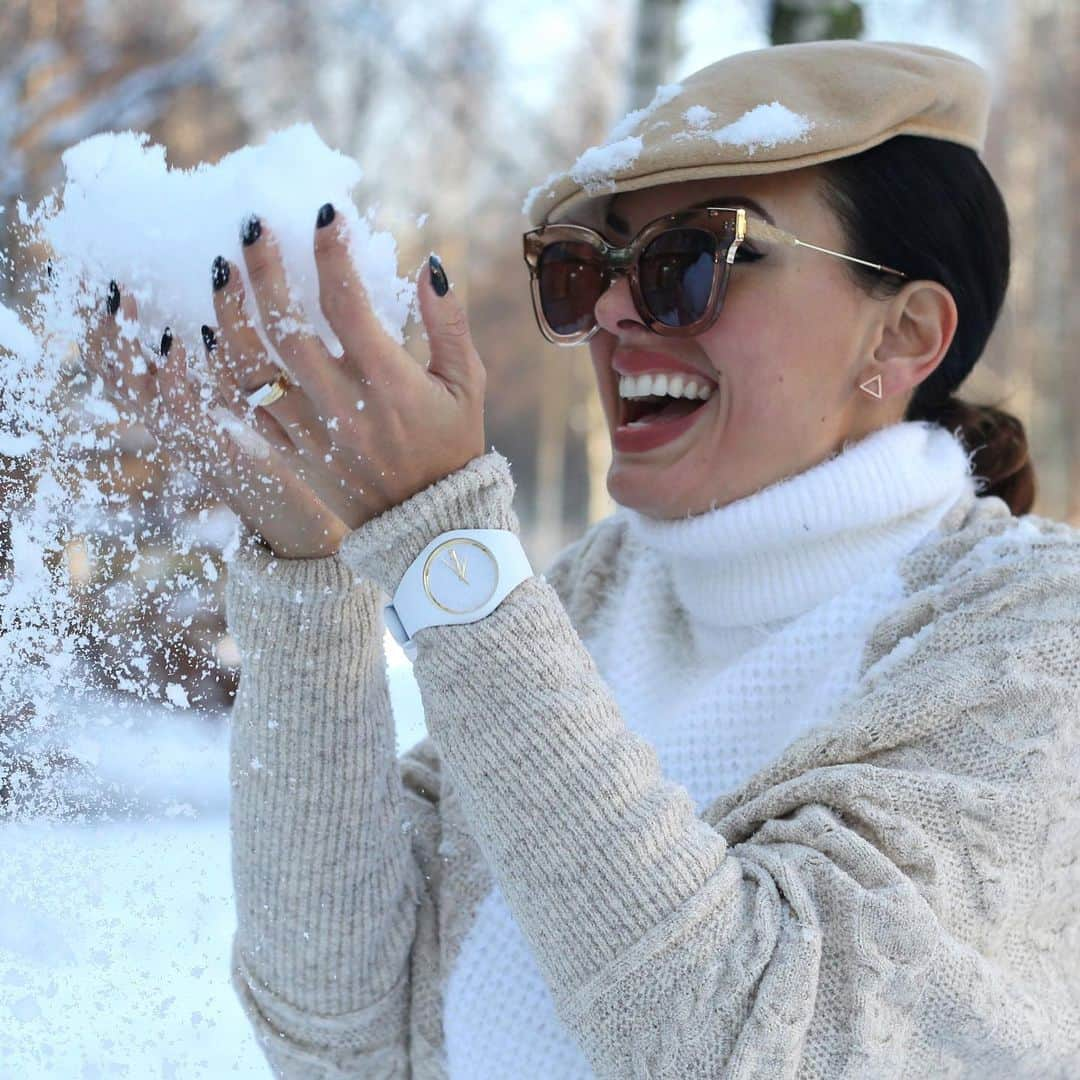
(655, 409)
(658, 399)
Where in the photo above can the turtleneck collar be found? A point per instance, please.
(784, 549)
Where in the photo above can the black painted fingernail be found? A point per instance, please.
(113, 301)
(438, 276)
(250, 231)
(326, 215)
(166, 342)
(209, 337)
(220, 273)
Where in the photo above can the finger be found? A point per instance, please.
(303, 449)
(199, 420)
(238, 348)
(100, 345)
(293, 417)
(342, 296)
(180, 411)
(240, 365)
(126, 367)
(454, 358)
(301, 350)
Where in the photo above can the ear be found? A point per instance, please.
(919, 327)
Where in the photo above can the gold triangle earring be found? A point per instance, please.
(869, 387)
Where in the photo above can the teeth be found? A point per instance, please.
(678, 386)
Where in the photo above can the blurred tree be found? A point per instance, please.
(813, 20)
(656, 49)
(1034, 152)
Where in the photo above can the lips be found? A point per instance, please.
(649, 362)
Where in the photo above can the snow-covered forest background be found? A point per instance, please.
(115, 899)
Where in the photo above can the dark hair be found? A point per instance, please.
(931, 208)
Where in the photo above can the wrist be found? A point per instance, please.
(459, 577)
(479, 495)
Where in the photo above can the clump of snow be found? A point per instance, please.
(632, 120)
(698, 116)
(176, 695)
(620, 149)
(594, 168)
(536, 192)
(14, 336)
(763, 126)
(123, 214)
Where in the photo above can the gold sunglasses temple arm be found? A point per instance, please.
(851, 258)
(765, 231)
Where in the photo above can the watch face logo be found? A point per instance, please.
(457, 564)
(460, 576)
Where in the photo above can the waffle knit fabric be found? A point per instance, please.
(840, 839)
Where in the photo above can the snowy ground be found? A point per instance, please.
(114, 938)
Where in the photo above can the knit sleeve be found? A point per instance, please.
(335, 950)
(874, 907)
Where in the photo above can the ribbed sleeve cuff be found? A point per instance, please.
(260, 570)
(479, 495)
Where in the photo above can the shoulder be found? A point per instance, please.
(985, 575)
(972, 679)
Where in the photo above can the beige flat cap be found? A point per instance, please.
(770, 110)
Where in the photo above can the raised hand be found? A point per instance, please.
(370, 428)
(191, 424)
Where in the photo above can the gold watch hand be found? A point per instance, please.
(458, 565)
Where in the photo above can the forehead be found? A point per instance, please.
(777, 197)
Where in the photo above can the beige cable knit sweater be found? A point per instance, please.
(897, 895)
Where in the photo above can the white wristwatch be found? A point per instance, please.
(461, 576)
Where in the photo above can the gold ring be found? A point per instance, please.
(268, 393)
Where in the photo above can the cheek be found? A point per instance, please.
(601, 346)
(779, 337)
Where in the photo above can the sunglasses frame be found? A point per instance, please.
(730, 224)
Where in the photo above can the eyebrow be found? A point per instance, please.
(621, 225)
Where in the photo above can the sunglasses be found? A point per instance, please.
(678, 266)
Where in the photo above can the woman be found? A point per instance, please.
(770, 775)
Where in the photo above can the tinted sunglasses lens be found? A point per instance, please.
(572, 278)
(676, 275)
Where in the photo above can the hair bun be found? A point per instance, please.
(998, 444)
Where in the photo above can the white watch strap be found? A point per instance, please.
(414, 606)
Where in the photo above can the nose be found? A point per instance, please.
(615, 311)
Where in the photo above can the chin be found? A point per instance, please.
(630, 487)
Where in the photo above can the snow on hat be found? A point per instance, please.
(770, 110)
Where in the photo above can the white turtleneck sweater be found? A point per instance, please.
(734, 632)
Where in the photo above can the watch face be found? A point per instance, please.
(460, 576)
